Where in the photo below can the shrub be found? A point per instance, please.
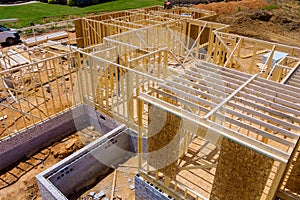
(270, 7)
(239, 9)
(52, 1)
(71, 2)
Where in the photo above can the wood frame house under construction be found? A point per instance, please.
(217, 114)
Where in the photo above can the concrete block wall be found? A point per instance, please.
(134, 142)
(84, 167)
(48, 190)
(100, 121)
(41, 135)
(45, 133)
(145, 190)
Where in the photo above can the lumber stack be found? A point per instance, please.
(58, 46)
(41, 39)
(13, 59)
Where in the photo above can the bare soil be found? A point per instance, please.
(25, 187)
(124, 182)
(19, 183)
(280, 25)
(223, 8)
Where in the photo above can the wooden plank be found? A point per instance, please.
(40, 39)
(233, 121)
(256, 53)
(79, 32)
(9, 20)
(230, 97)
(238, 114)
(215, 127)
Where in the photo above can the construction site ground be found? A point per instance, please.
(247, 18)
(244, 17)
(118, 183)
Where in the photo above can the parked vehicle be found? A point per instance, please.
(9, 36)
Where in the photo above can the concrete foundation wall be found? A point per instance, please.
(84, 167)
(145, 190)
(100, 121)
(134, 143)
(41, 135)
(45, 133)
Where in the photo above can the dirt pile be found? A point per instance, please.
(287, 4)
(260, 19)
(222, 8)
(66, 148)
(279, 25)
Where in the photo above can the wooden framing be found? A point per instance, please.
(252, 119)
(265, 122)
(127, 67)
(228, 49)
(93, 29)
(32, 102)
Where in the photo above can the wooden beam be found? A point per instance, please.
(230, 87)
(219, 129)
(247, 94)
(256, 53)
(229, 97)
(228, 110)
(198, 37)
(227, 119)
(207, 166)
(276, 96)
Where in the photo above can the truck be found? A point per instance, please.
(8, 36)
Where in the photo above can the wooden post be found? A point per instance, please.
(252, 65)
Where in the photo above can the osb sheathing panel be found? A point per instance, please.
(293, 182)
(195, 32)
(241, 173)
(79, 33)
(163, 140)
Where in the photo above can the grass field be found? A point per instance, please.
(43, 13)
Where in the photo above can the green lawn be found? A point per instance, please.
(43, 13)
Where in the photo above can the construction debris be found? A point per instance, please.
(91, 194)
(12, 59)
(113, 185)
(71, 143)
(48, 88)
(132, 187)
(99, 195)
(3, 117)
